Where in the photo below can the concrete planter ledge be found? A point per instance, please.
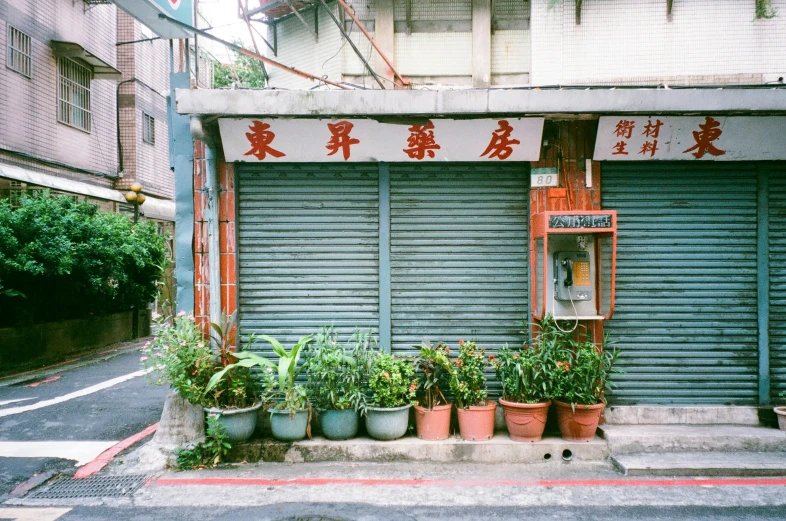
(500, 449)
(692, 415)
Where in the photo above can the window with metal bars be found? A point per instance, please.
(20, 56)
(148, 128)
(73, 94)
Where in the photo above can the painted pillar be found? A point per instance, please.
(481, 44)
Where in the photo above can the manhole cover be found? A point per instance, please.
(96, 486)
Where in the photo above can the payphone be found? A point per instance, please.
(573, 261)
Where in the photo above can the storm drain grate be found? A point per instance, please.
(95, 486)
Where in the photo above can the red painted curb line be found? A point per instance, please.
(714, 482)
(103, 459)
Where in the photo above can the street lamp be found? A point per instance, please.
(135, 197)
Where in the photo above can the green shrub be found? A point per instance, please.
(61, 259)
(392, 381)
(468, 382)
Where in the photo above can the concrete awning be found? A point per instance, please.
(559, 102)
(101, 69)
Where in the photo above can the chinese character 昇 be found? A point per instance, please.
(619, 149)
(652, 130)
(260, 138)
(421, 141)
(340, 138)
(500, 144)
(624, 129)
(710, 131)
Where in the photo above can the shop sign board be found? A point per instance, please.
(690, 138)
(147, 11)
(366, 140)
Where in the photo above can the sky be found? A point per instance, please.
(223, 15)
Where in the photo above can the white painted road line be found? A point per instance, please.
(76, 394)
(80, 451)
(33, 514)
(14, 401)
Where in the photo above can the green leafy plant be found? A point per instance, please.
(436, 367)
(70, 260)
(524, 375)
(335, 372)
(391, 381)
(210, 452)
(581, 371)
(764, 9)
(293, 396)
(468, 382)
(245, 72)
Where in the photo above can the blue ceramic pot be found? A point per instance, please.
(239, 424)
(339, 425)
(288, 428)
(385, 423)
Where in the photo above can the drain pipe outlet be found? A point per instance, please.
(212, 188)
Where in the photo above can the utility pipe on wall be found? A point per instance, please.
(213, 188)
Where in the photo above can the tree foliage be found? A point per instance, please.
(62, 259)
(246, 73)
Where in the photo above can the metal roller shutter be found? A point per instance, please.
(686, 312)
(308, 249)
(458, 253)
(777, 259)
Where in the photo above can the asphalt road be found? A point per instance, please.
(104, 416)
(362, 512)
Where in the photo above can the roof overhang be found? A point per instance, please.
(557, 102)
(101, 69)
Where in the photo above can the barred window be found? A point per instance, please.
(20, 54)
(73, 94)
(148, 128)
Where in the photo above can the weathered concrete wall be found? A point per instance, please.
(69, 336)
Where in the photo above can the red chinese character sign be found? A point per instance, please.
(366, 140)
(690, 138)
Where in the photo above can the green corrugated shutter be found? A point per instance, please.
(308, 249)
(777, 259)
(686, 312)
(458, 253)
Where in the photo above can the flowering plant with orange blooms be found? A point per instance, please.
(524, 374)
(436, 367)
(468, 382)
(391, 381)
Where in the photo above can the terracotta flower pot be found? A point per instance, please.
(477, 422)
(579, 425)
(525, 421)
(433, 424)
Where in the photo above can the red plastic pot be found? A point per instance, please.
(433, 424)
(477, 422)
(525, 421)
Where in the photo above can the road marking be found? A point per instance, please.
(14, 401)
(699, 482)
(76, 394)
(33, 514)
(103, 459)
(81, 451)
(48, 380)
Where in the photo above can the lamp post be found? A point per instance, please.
(135, 197)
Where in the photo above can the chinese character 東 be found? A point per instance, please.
(421, 141)
(710, 131)
(340, 138)
(500, 144)
(260, 138)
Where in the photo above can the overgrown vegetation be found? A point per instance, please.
(209, 453)
(245, 73)
(61, 259)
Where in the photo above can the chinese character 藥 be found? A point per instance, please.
(260, 138)
(421, 141)
(708, 132)
(340, 138)
(500, 144)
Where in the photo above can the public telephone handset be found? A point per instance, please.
(572, 276)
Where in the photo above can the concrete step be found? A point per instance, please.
(629, 439)
(702, 464)
(500, 449)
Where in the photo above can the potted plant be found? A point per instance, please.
(526, 388)
(476, 413)
(781, 413)
(290, 419)
(581, 374)
(335, 383)
(391, 386)
(219, 380)
(432, 410)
